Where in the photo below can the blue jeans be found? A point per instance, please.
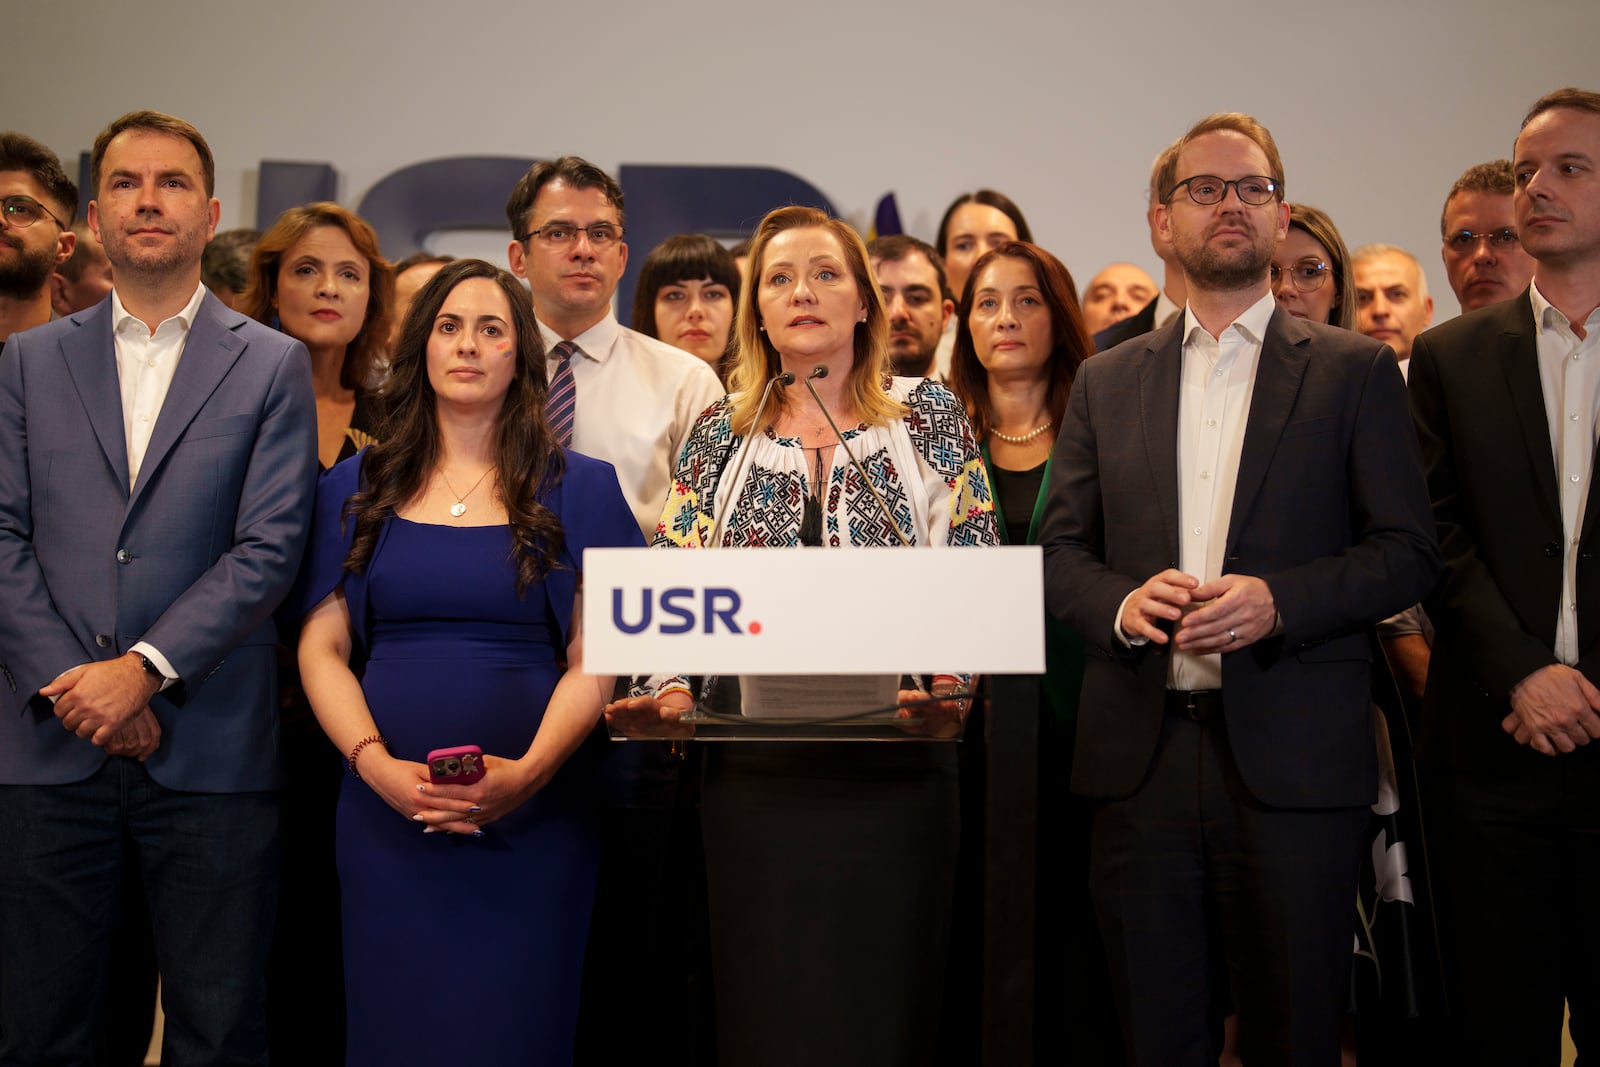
(209, 864)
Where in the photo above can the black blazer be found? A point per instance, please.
(1138, 324)
(1329, 508)
(1480, 418)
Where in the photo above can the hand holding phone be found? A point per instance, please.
(462, 765)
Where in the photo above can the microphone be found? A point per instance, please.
(821, 371)
(781, 378)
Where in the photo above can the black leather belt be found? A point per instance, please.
(1200, 705)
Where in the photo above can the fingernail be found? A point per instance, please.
(417, 817)
(428, 829)
(474, 810)
(477, 833)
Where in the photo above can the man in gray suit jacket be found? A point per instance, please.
(156, 478)
(1235, 500)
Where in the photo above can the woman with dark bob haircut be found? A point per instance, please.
(447, 559)
(686, 296)
(1020, 338)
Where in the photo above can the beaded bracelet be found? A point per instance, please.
(355, 752)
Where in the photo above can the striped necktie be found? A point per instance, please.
(562, 405)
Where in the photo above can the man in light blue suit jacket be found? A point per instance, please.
(157, 466)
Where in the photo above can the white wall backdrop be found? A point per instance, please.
(1377, 105)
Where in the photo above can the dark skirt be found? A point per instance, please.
(830, 873)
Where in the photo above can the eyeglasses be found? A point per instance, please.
(23, 211)
(1465, 242)
(1308, 275)
(602, 235)
(1208, 189)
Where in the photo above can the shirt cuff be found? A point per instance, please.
(1116, 627)
(169, 677)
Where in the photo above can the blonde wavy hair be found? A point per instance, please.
(756, 360)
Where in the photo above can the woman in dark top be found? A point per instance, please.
(318, 276)
(686, 296)
(1020, 337)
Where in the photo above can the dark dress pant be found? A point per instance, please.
(209, 867)
(1191, 869)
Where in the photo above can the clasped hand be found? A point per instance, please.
(1553, 710)
(458, 809)
(1222, 615)
(107, 703)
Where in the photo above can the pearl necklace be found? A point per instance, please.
(1025, 438)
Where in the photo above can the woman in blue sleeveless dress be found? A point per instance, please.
(446, 563)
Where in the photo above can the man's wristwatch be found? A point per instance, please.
(150, 667)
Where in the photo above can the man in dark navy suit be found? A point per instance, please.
(1236, 499)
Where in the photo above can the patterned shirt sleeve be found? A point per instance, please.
(687, 517)
(943, 438)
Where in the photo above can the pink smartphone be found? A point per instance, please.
(461, 765)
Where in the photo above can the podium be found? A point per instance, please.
(853, 622)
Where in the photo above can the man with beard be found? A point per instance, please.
(37, 200)
(1237, 501)
(155, 491)
(911, 275)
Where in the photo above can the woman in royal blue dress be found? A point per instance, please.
(446, 563)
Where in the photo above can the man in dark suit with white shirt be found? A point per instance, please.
(1505, 400)
(155, 491)
(1236, 499)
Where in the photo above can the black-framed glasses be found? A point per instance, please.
(1208, 189)
(23, 211)
(1465, 242)
(1307, 275)
(602, 235)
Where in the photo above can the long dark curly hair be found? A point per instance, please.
(528, 462)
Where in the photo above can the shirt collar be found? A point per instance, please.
(595, 342)
(121, 317)
(1251, 323)
(1546, 316)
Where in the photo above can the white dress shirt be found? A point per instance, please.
(1217, 380)
(146, 363)
(1569, 376)
(637, 399)
(1166, 310)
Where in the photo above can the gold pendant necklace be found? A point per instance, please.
(459, 508)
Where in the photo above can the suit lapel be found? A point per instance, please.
(1519, 360)
(208, 354)
(1279, 371)
(90, 355)
(1159, 375)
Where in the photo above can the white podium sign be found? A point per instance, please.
(813, 611)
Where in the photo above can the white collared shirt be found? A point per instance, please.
(1569, 377)
(1218, 380)
(146, 363)
(637, 398)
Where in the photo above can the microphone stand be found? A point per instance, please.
(821, 371)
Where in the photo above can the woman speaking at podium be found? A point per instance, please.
(830, 866)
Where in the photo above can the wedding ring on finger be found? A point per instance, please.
(1232, 637)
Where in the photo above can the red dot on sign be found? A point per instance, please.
(754, 627)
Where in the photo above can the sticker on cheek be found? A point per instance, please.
(504, 348)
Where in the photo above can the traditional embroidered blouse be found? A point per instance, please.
(751, 493)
